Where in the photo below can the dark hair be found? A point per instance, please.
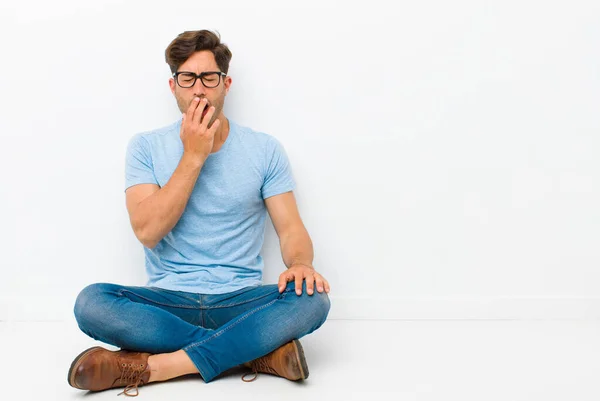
(189, 42)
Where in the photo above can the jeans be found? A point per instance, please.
(217, 332)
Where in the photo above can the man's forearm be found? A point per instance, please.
(156, 215)
(297, 248)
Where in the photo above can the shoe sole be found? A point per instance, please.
(73, 369)
(300, 355)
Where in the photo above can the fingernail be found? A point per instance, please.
(320, 289)
(197, 99)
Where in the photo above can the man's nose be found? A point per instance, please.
(199, 89)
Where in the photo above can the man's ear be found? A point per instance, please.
(172, 85)
(227, 83)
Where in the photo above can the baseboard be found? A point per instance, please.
(350, 308)
(465, 308)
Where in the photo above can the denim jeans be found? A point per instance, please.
(217, 332)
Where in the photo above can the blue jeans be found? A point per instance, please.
(217, 332)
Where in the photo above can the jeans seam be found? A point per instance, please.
(159, 303)
(199, 306)
(190, 296)
(247, 315)
(201, 312)
(236, 304)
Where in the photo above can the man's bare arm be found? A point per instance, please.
(296, 245)
(154, 211)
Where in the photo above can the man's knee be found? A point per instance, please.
(315, 307)
(88, 302)
(322, 306)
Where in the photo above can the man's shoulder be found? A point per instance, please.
(158, 134)
(257, 138)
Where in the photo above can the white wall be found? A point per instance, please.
(444, 151)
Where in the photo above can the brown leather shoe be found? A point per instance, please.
(98, 369)
(286, 361)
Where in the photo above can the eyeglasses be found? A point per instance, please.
(210, 79)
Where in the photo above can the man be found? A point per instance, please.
(197, 194)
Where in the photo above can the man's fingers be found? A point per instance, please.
(297, 275)
(310, 283)
(198, 112)
(214, 126)
(326, 285)
(193, 106)
(283, 278)
(299, 280)
(319, 281)
(208, 116)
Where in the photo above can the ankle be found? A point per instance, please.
(168, 366)
(153, 367)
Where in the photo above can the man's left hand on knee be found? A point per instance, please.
(299, 272)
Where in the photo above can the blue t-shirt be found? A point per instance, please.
(214, 247)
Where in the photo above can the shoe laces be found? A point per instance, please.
(131, 376)
(258, 365)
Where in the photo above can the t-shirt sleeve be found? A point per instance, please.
(138, 163)
(278, 176)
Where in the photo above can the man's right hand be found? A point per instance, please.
(195, 134)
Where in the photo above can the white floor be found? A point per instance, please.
(351, 360)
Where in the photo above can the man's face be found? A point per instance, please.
(199, 62)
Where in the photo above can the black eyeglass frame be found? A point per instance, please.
(198, 76)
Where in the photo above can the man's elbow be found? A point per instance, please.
(145, 237)
(150, 244)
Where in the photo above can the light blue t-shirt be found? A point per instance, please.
(214, 247)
